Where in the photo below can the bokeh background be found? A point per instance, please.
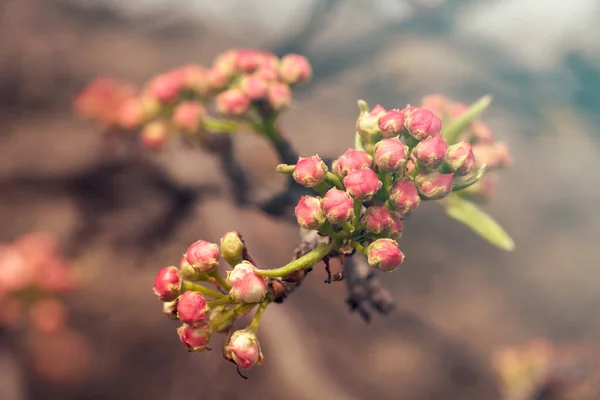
(458, 298)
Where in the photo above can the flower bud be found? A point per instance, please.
(232, 248)
(232, 102)
(367, 124)
(294, 68)
(434, 185)
(131, 114)
(217, 79)
(195, 77)
(351, 160)
(392, 123)
(431, 153)
(460, 158)
(203, 256)
(362, 184)
(422, 124)
(502, 154)
(170, 309)
(485, 154)
(279, 96)
(195, 338)
(309, 212)
(192, 308)
(458, 109)
(310, 171)
(186, 271)
(166, 86)
(337, 206)
(226, 62)
(48, 315)
(405, 196)
(167, 284)
(397, 226)
(244, 349)
(377, 219)
(390, 155)
(154, 135)
(385, 255)
(249, 60)
(254, 86)
(436, 103)
(481, 132)
(187, 115)
(246, 285)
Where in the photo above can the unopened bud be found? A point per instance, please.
(154, 135)
(351, 160)
(187, 115)
(434, 185)
(460, 158)
(167, 283)
(254, 86)
(244, 349)
(367, 124)
(186, 271)
(226, 62)
(249, 60)
(377, 219)
(195, 338)
(436, 103)
(170, 309)
(217, 79)
(269, 70)
(192, 308)
(310, 171)
(502, 153)
(131, 114)
(203, 256)
(362, 184)
(390, 155)
(392, 123)
(246, 285)
(431, 153)
(279, 96)
(232, 248)
(294, 68)
(166, 86)
(338, 206)
(309, 213)
(481, 132)
(422, 124)
(385, 255)
(404, 196)
(397, 226)
(195, 77)
(232, 102)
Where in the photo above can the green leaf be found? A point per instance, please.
(478, 220)
(452, 131)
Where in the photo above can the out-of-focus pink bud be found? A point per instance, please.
(249, 60)
(397, 226)
(362, 184)
(232, 102)
(367, 124)
(254, 86)
(481, 132)
(131, 114)
(232, 248)
(170, 309)
(377, 219)
(246, 285)
(154, 135)
(48, 315)
(279, 96)
(192, 308)
(392, 123)
(434, 185)
(485, 154)
(460, 158)
(167, 284)
(103, 98)
(310, 171)
(431, 153)
(55, 276)
(203, 256)
(187, 115)
(294, 68)
(422, 124)
(217, 79)
(195, 77)
(244, 349)
(502, 154)
(195, 338)
(436, 103)
(458, 109)
(16, 273)
(166, 86)
(338, 206)
(226, 62)
(351, 160)
(385, 255)
(405, 196)
(309, 213)
(390, 155)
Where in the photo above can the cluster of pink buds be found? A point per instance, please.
(32, 274)
(203, 311)
(192, 99)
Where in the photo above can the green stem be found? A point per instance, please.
(327, 230)
(321, 188)
(360, 248)
(358, 143)
(455, 128)
(285, 168)
(357, 210)
(470, 181)
(194, 287)
(334, 180)
(220, 302)
(215, 125)
(303, 262)
(220, 280)
(228, 315)
(259, 313)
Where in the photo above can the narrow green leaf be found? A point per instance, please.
(451, 131)
(478, 220)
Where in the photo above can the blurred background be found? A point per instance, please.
(458, 298)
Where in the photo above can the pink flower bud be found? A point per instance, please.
(167, 284)
(310, 171)
(279, 96)
(195, 338)
(377, 219)
(226, 62)
(502, 153)
(217, 79)
(367, 124)
(481, 132)
(431, 153)
(351, 160)
(338, 206)
(485, 154)
(195, 77)
(362, 184)
(309, 213)
(232, 102)
(249, 60)
(436, 103)
(254, 86)
(460, 158)
(434, 185)
(385, 255)
(390, 155)
(392, 123)
(166, 86)
(154, 135)
(131, 114)
(458, 109)
(397, 226)
(244, 349)
(203, 256)
(232, 248)
(422, 124)
(170, 309)
(405, 196)
(294, 69)
(192, 308)
(187, 115)
(247, 285)
(186, 271)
